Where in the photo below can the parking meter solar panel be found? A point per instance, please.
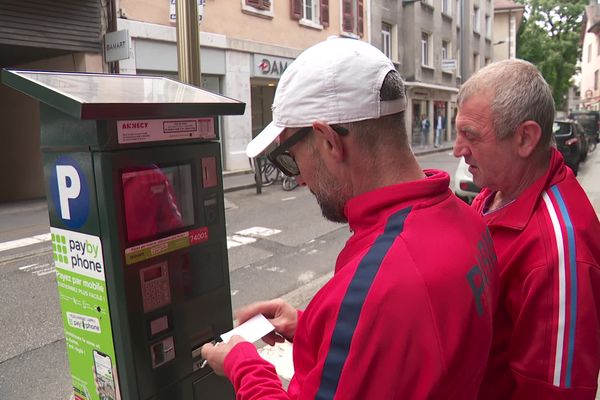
(101, 96)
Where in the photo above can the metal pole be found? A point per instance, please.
(188, 42)
(463, 36)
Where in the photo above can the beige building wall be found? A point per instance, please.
(232, 19)
(501, 37)
(234, 40)
(507, 19)
(590, 61)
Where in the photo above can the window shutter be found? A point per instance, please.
(359, 19)
(325, 13)
(253, 3)
(347, 16)
(296, 9)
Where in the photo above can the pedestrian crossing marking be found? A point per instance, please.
(38, 269)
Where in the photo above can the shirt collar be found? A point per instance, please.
(517, 214)
(366, 210)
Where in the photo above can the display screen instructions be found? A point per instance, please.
(81, 285)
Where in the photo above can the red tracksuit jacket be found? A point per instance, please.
(547, 326)
(407, 314)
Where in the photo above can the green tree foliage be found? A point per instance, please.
(549, 38)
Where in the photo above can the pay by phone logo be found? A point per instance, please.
(70, 192)
(59, 248)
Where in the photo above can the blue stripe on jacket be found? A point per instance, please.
(352, 304)
(572, 263)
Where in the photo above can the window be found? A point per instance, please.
(488, 26)
(476, 19)
(458, 62)
(259, 4)
(446, 6)
(475, 61)
(445, 50)
(311, 13)
(262, 8)
(458, 12)
(311, 10)
(596, 79)
(599, 44)
(425, 49)
(486, 61)
(352, 17)
(386, 39)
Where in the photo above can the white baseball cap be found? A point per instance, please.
(335, 81)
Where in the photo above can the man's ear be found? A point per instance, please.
(527, 137)
(331, 142)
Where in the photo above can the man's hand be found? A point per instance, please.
(283, 316)
(215, 353)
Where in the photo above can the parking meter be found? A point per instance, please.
(133, 180)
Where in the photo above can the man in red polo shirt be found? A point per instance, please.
(408, 311)
(546, 234)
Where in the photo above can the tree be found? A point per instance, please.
(549, 38)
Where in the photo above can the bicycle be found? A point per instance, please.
(269, 174)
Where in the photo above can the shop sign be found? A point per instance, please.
(116, 46)
(449, 65)
(270, 66)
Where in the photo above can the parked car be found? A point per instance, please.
(464, 188)
(590, 121)
(571, 142)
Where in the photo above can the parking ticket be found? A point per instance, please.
(251, 330)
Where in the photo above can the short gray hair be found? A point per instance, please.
(518, 93)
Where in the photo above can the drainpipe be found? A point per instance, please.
(112, 27)
(463, 47)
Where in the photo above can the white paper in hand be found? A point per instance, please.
(251, 330)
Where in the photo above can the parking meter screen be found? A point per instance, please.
(157, 200)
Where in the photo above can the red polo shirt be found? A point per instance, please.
(547, 327)
(407, 314)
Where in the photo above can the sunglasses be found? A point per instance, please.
(281, 157)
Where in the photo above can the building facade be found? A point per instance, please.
(436, 45)
(59, 36)
(590, 58)
(507, 20)
(245, 45)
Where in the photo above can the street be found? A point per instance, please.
(279, 245)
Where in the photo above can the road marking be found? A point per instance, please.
(38, 269)
(247, 236)
(288, 198)
(14, 244)
(258, 231)
(240, 238)
(27, 266)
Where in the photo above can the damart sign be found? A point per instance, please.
(270, 66)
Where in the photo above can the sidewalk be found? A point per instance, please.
(245, 179)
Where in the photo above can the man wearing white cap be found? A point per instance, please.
(408, 312)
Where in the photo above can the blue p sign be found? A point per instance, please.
(70, 192)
